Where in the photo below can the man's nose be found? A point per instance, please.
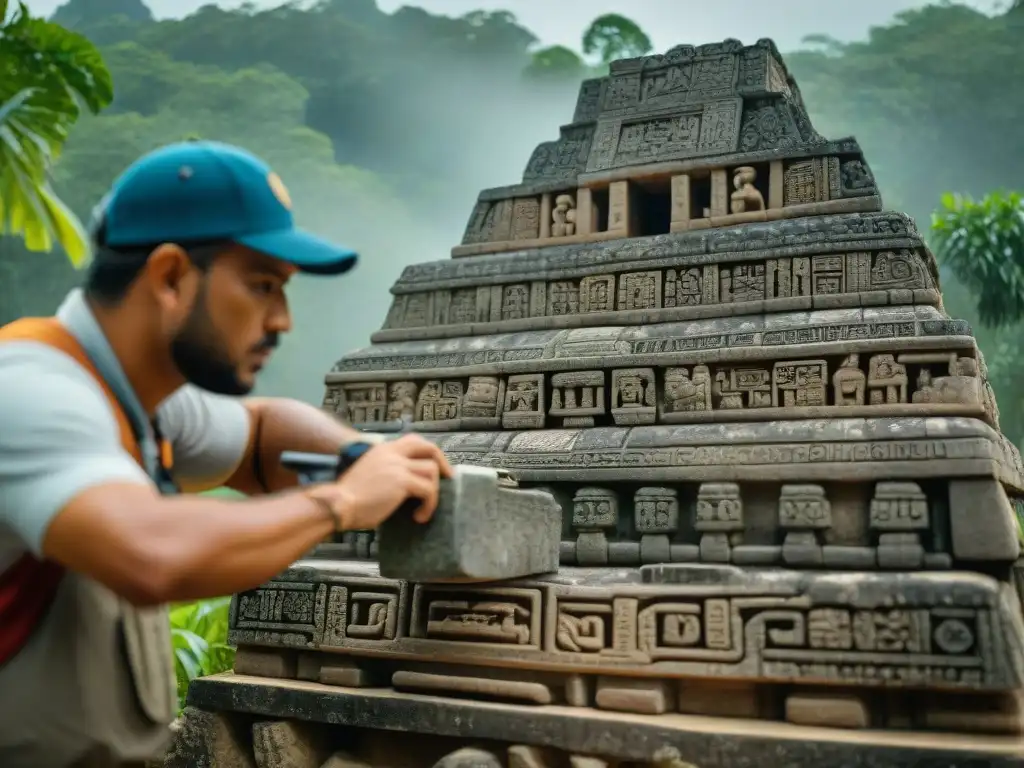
(280, 319)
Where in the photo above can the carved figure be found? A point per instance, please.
(563, 216)
(746, 196)
(402, 400)
(849, 381)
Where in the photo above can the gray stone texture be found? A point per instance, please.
(484, 529)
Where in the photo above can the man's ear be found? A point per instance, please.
(172, 280)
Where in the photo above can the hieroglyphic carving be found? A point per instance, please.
(280, 612)
(491, 616)
(365, 402)
(736, 388)
(898, 517)
(856, 178)
(805, 182)
(563, 298)
(799, 384)
(439, 401)
(515, 301)
(897, 269)
(639, 290)
(597, 293)
(686, 287)
(744, 282)
(525, 218)
(822, 275)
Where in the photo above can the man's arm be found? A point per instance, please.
(226, 441)
(280, 424)
(72, 494)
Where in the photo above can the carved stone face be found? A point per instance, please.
(630, 390)
(676, 385)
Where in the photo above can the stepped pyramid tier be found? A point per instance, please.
(785, 495)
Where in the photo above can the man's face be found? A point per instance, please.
(235, 322)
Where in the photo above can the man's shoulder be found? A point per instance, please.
(41, 382)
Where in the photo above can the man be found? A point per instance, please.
(132, 392)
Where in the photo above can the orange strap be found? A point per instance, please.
(28, 587)
(50, 331)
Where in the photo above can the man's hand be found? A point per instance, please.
(386, 476)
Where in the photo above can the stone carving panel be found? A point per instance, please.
(678, 394)
(577, 397)
(501, 616)
(900, 273)
(701, 131)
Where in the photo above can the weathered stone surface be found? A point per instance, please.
(624, 737)
(983, 523)
(210, 739)
(288, 744)
(476, 533)
(958, 630)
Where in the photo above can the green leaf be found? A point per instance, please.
(48, 72)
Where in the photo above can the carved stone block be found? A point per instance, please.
(577, 397)
(524, 402)
(483, 402)
(799, 384)
(288, 744)
(983, 523)
(475, 533)
(623, 694)
(594, 510)
(634, 396)
(656, 510)
(898, 506)
(365, 403)
(719, 508)
(804, 511)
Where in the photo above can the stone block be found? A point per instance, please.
(288, 744)
(827, 710)
(626, 694)
(476, 534)
(982, 521)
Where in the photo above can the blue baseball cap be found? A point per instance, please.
(201, 191)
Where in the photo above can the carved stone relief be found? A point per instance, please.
(676, 394)
(900, 272)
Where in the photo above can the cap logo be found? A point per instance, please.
(280, 190)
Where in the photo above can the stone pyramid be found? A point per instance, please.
(785, 491)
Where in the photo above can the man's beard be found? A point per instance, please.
(202, 358)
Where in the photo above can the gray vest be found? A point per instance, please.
(97, 677)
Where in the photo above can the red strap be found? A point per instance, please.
(27, 590)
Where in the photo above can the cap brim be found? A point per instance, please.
(307, 252)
